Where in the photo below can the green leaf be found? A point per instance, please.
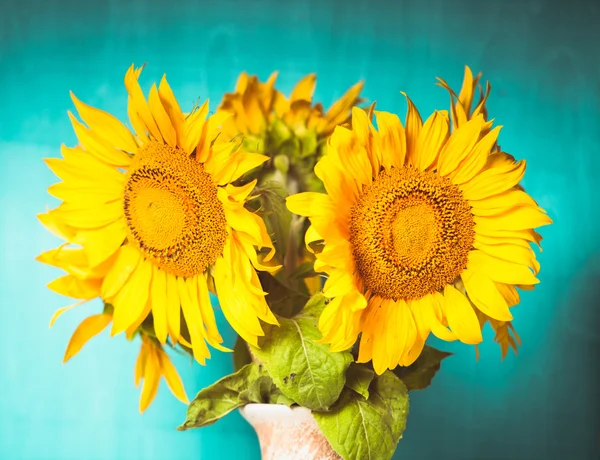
(419, 375)
(359, 378)
(369, 429)
(251, 384)
(241, 354)
(276, 215)
(282, 300)
(304, 370)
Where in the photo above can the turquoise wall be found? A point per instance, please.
(543, 61)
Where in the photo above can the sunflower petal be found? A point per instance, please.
(88, 328)
(461, 316)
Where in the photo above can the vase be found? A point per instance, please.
(287, 433)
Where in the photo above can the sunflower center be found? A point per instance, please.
(172, 211)
(411, 232)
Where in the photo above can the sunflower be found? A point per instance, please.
(152, 222)
(291, 130)
(422, 227)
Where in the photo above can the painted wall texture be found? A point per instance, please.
(543, 61)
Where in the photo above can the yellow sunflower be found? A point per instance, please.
(422, 227)
(152, 222)
(282, 127)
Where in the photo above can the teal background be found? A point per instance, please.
(543, 61)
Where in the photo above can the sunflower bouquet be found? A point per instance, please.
(334, 242)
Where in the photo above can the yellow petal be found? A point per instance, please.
(55, 226)
(105, 125)
(85, 170)
(340, 186)
(161, 117)
(208, 315)
(495, 179)
(172, 108)
(188, 294)
(93, 216)
(70, 286)
(338, 283)
(466, 92)
(137, 123)
(459, 146)
(509, 292)
(500, 270)
(461, 316)
(433, 309)
(499, 203)
(62, 310)
(73, 261)
(413, 128)
(193, 128)
(352, 155)
(139, 104)
(131, 300)
(392, 138)
(98, 147)
(431, 138)
(172, 377)
(158, 299)
(338, 112)
(233, 306)
(151, 379)
(140, 363)
(126, 262)
(88, 328)
(520, 218)
(309, 204)
(101, 243)
(304, 89)
(173, 308)
(517, 253)
(476, 159)
(483, 293)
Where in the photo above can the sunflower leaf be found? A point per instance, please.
(359, 428)
(359, 378)
(250, 384)
(241, 355)
(419, 375)
(304, 370)
(282, 300)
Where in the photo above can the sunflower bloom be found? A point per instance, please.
(278, 126)
(152, 364)
(151, 221)
(422, 227)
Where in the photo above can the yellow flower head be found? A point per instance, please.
(151, 221)
(422, 227)
(270, 123)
